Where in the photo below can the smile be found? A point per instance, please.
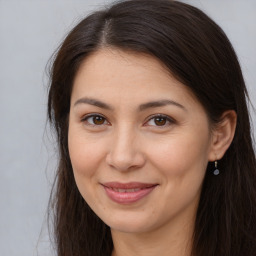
(121, 190)
(127, 193)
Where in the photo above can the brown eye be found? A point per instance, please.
(160, 121)
(95, 120)
(98, 120)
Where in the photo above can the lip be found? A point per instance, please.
(127, 193)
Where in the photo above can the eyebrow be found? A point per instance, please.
(93, 102)
(160, 103)
(142, 107)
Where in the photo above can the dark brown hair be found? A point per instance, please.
(198, 53)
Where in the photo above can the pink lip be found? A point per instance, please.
(127, 197)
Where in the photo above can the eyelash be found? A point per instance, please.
(87, 117)
(166, 119)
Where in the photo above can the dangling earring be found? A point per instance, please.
(216, 171)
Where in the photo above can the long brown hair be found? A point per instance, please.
(198, 53)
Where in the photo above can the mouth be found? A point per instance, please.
(127, 193)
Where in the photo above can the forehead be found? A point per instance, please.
(111, 73)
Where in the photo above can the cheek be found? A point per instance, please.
(182, 162)
(85, 154)
(178, 155)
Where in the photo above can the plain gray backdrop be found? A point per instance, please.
(30, 31)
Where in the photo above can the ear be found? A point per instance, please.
(223, 135)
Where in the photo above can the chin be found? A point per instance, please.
(129, 227)
(130, 224)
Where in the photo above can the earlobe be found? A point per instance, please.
(223, 135)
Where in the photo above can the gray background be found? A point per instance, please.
(29, 33)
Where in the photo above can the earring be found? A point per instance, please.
(216, 171)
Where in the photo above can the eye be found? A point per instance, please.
(160, 120)
(95, 120)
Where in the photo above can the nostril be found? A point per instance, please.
(124, 162)
(125, 152)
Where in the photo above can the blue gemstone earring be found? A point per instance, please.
(216, 171)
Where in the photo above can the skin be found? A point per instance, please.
(129, 144)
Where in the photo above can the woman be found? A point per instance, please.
(155, 152)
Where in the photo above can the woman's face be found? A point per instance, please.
(139, 142)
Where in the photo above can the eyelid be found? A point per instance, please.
(168, 119)
(87, 116)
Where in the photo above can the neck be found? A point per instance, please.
(169, 240)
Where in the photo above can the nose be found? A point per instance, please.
(125, 151)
